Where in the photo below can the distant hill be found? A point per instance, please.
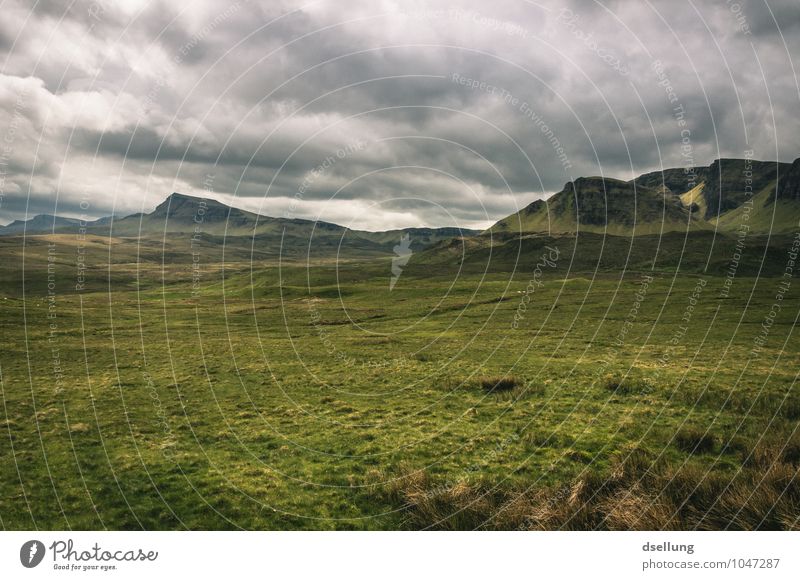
(181, 219)
(40, 224)
(184, 213)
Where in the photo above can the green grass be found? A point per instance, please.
(286, 397)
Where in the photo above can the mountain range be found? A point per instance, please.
(721, 197)
(764, 195)
(688, 219)
(182, 219)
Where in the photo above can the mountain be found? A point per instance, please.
(676, 180)
(775, 206)
(182, 220)
(718, 187)
(763, 194)
(184, 213)
(727, 183)
(40, 224)
(678, 218)
(720, 193)
(790, 183)
(603, 205)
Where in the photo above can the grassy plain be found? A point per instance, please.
(187, 388)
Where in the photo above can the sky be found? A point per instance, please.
(380, 114)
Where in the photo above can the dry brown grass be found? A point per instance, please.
(499, 384)
(694, 440)
(637, 493)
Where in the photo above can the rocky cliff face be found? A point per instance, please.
(676, 180)
(789, 183)
(726, 182)
(599, 204)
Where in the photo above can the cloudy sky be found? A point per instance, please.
(380, 114)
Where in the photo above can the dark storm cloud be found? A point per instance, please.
(769, 18)
(478, 109)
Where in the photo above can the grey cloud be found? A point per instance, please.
(769, 17)
(211, 103)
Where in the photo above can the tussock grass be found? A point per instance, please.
(694, 440)
(496, 384)
(620, 384)
(638, 492)
(773, 450)
(790, 410)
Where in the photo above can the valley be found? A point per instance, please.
(273, 377)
